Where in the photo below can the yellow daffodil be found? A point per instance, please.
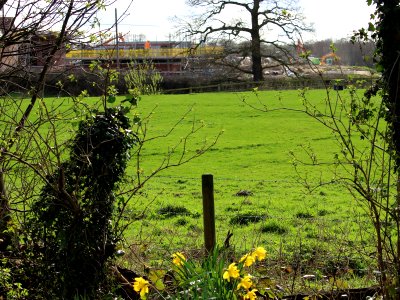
(231, 272)
(251, 295)
(247, 259)
(178, 258)
(141, 286)
(259, 253)
(245, 282)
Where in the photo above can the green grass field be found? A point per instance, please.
(253, 154)
(315, 230)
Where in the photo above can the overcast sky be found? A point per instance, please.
(333, 19)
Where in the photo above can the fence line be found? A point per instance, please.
(281, 84)
(272, 84)
(244, 180)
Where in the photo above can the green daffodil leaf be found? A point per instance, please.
(156, 276)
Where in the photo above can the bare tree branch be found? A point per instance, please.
(266, 31)
(34, 36)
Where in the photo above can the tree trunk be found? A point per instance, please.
(257, 69)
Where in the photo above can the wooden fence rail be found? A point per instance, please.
(268, 84)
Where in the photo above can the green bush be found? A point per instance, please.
(143, 77)
(9, 287)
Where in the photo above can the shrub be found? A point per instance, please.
(9, 288)
(143, 77)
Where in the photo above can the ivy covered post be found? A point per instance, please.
(72, 223)
(385, 30)
(387, 34)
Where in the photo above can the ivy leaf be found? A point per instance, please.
(131, 99)
(136, 119)
(379, 68)
(125, 110)
(156, 276)
(111, 99)
(371, 27)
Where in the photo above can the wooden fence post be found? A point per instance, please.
(208, 211)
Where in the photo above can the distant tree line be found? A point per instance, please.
(351, 54)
